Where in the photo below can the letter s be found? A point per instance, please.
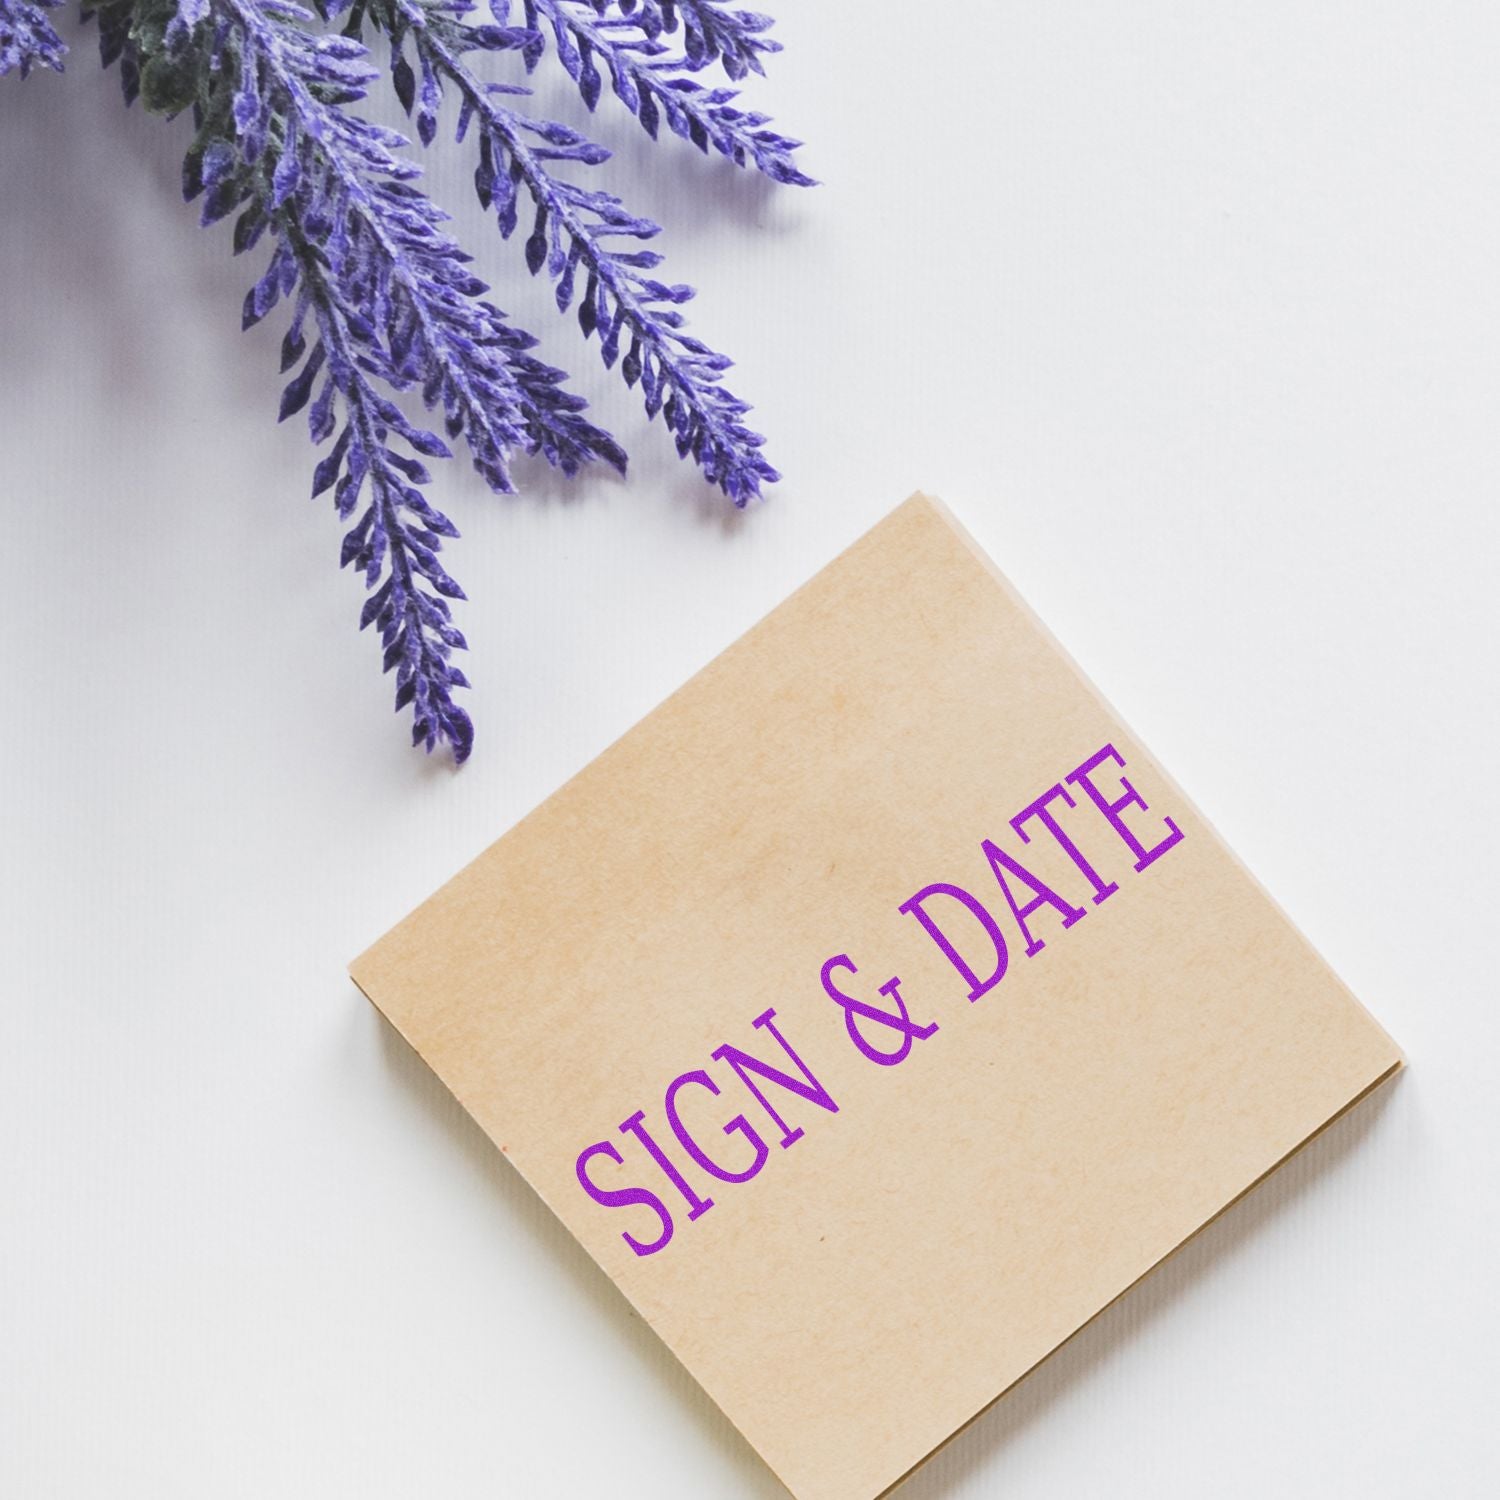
(625, 1198)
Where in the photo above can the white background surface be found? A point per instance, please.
(1189, 310)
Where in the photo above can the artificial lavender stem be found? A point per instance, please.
(27, 39)
(384, 302)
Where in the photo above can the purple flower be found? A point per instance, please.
(27, 39)
(382, 300)
(647, 77)
(634, 314)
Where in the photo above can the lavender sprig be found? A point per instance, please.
(647, 77)
(711, 31)
(27, 39)
(383, 301)
(679, 376)
(388, 295)
(389, 298)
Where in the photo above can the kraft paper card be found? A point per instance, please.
(876, 1011)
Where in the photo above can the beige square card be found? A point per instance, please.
(876, 1011)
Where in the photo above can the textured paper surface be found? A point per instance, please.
(896, 1264)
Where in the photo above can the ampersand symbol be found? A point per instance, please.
(898, 1020)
